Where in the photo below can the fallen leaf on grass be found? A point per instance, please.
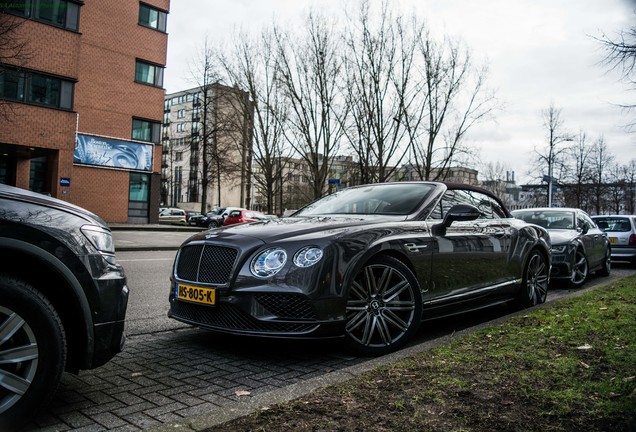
(586, 366)
(242, 393)
(584, 347)
(603, 308)
(629, 379)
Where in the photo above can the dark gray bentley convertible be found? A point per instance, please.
(368, 264)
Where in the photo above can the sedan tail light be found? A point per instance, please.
(632, 240)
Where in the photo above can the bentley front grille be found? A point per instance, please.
(206, 264)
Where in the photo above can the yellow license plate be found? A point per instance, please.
(196, 294)
(613, 240)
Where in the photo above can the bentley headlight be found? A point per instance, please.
(268, 263)
(308, 256)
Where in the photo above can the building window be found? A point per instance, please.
(151, 17)
(182, 127)
(12, 84)
(58, 13)
(145, 130)
(138, 189)
(178, 157)
(34, 88)
(148, 73)
(181, 113)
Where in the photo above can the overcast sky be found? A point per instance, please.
(539, 52)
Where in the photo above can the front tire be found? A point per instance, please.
(580, 270)
(32, 351)
(384, 307)
(534, 285)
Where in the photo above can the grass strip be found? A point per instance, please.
(568, 366)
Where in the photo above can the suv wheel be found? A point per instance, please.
(32, 351)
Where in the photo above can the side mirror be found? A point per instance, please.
(457, 213)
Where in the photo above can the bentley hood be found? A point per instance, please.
(287, 228)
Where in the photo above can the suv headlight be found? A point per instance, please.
(268, 263)
(99, 237)
(559, 249)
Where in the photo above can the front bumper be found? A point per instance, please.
(269, 314)
(561, 266)
(109, 336)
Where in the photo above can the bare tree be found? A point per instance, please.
(553, 155)
(252, 66)
(14, 53)
(602, 159)
(577, 172)
(621, 55)
(629, 176)
(456, 100)
(379, 67)
(308, 72)
(218, 111)
(497, 178)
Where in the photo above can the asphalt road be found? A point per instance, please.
(170, 373)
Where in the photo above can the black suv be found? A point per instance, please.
(63, 298)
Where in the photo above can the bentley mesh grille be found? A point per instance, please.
(288, 306)
(230, 317)
(206, 264)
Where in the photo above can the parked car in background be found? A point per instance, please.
(579, 247)
(63, 298)
(193, 216)
(366, 264)
(621, 232)
(242, 216)
(173, 216)
(216, 217)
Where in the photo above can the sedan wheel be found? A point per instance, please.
(534, 287)
(580, 270)
(384, 307)
(606, 267)
(32, 351)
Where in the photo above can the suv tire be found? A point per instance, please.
(33, 349)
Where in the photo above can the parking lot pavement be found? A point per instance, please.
(173, 376)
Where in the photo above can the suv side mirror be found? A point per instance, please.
(457, 213)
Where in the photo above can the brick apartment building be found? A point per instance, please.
(82, 105)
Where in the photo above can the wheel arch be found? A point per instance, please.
(63, 290)
(377, 251)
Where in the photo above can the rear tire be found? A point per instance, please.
(32, 349)
(606, 267)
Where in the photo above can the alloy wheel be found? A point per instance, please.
(18, 358)
(383, 308)
(580, 269)
(537, 280)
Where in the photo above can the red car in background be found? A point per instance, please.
(242, 216)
